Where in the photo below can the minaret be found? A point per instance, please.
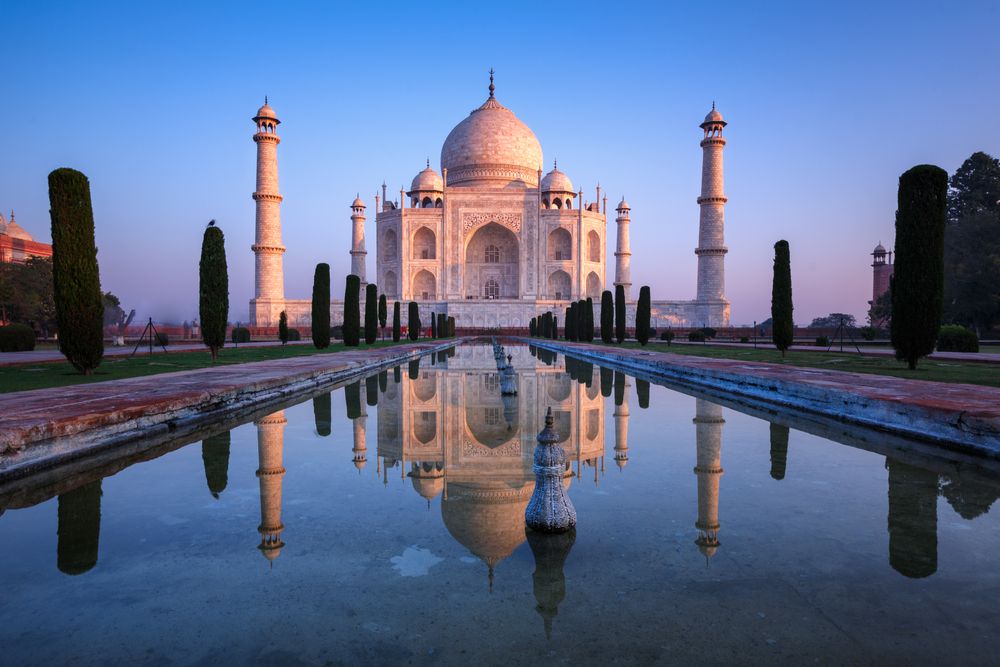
(621, 430)
(269, 276)
(708, 436)
(358, 251)
(711, 250)
(270, 447)
(623, 255)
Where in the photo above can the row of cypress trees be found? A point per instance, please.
(579, 319)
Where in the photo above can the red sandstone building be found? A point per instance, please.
(881, 275)
(17, 245)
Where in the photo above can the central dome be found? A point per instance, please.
(492, 147)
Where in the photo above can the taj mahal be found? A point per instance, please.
(490, 240)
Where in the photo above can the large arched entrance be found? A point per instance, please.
(492, 259)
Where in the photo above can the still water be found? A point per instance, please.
(383, 523)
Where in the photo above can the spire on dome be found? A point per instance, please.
(492, 87)
(428, 163)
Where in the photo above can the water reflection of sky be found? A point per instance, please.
(384, 522)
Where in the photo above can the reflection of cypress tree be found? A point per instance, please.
(383, 381)
(779, 450)
(451, 350)
(371, 390)
(215, 457)
(619, 387)
(642, 391)
(532, 351)
(322, 413)
(912, 519)
(352, 395)
(397, 374)
(607, 381)
(587, 371)
(571, 367)
(970, 498)
(414, 369)
(550, 552)
(79, 529)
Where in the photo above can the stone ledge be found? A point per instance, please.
(962, 417)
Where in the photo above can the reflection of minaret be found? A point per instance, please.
(708, 434)
(913, 496)
(270, 446)
(215, 457)
(621, 428)
(360, 449)
(550, 552)
(79, 531)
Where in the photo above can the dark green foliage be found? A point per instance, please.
(26, 293)
(667, 336)
(413, 369)
(642, 316)
(371, 390)
(607, 381)
(283, 327)
(383, 381)
(697, 336)
(781, 298)
(371, 313)
(532, 328)
(383, 313)
(642, 391)
(397, 374)
(822, 341)
(442, 326)
(834, 320)
(215, 458)
(75, 277)
(352, 397)
(79, 528)
(162, 339)
(590, 320)
(619, 388)
(414, 321)
(17, 338)
(323, 414)
(779, 450)
(956, 338)
(869, 333)
(396, 325)
(546, 325)
(352, 311)
(213, 302)
(880, 314)
(240, 335)
(912, 518)
(607, 316)
(451, 326)
(918, 274)
(744, 339)
(555, 328)
(337, 332)
(709, 332)
(570, 320)
(294, 335)
(619, 313)
(434, 326)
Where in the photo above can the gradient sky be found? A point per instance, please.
(828, 103)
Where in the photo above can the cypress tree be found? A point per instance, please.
(352, 311)
(321, 307)
(570, 319)
(642, 316)
(544, 325)
(322, 414)
(213, 290)
(590, 320)
(555, 328)
(619, 313)
(396, 326)
(283, 327)
(918, 276)
(434, 326)
(442, 326)
(215, 458)
(642, 391)
(451, 327)
(414, 321)
(75, 276)
(531, 327)
(383, 313)
(371, 313)
(607, 316)
(781, 298)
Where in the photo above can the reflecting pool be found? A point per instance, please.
(383, 522)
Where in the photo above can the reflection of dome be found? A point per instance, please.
(428, 487)
(487, 518)
(427, 180)
(491, 146)
(707, 546)
(556, 181)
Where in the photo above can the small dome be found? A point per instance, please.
(714, 116)
(360, 463)
(427, 180)
(266, 112)
(879, 250)
(358, 203)
(16, 231)
(428, 487)
(557, 181)
(623, 205)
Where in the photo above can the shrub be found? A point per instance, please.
(869, 333)
(240, 335)
(697, 336)
(781, 298)
(76, 283)
(162, 339)
(667, 336)
(744, 339)
(822, 341)
(337, 332)
(956, 338)
(294, 335)
(213, 289)
(283, 327)
(709, 332)
(17, 338)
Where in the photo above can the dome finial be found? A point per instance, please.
(428, 163)
(555, 163)
(713, 105)
(265, 99)
(492, 87)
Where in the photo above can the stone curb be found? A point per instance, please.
(959, 416)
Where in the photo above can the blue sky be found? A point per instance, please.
(827, 103)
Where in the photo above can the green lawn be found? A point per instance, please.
(927, 369)
(23, 377)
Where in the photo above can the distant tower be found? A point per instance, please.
(623, 255)
(711, 250)
(881, 275)
(621, 430)
(269, 282)
(358, 251)
(270, 450)
(708, 436)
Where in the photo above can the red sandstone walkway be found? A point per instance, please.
(105, 409)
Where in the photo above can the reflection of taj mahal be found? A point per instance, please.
(490, 240)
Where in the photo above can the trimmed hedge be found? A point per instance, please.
(162, 339)
(240, 335)
(697, 336)
(822, 341)
(667, 336)
(956, 338)
(17, 338)
(294, 335)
